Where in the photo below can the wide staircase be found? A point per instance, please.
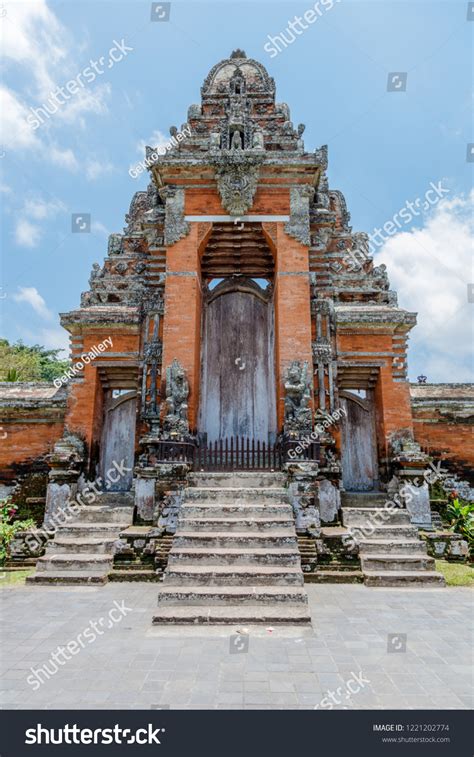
(235, 555)
(82, 549)
(391, 552)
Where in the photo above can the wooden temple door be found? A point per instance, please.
(359, 452)
(238, 373)
(118, 438)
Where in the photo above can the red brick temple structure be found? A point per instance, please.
(250, 410)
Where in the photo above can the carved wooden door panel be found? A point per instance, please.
(118, 439)
(359, 455)
(238, 381)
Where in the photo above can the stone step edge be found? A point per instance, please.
(67, 577)
(231, 615)
(241, 569)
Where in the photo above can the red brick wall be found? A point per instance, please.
(26, 444)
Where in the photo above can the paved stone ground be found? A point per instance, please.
(133, 665)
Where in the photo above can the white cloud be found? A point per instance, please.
(98, 228)
(34, 39)
(32, 297)
(39, 46)
(95, 169)
(157, 139)
(28, 230)
(15, 133)
(64, 158)
(55, 339)
(430, 267)
(26, 233)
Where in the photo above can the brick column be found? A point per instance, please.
(292, 311)
(182, 319)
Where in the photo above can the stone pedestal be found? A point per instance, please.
(329, 501)
(66, 463)
(410, 465)
(303, 490)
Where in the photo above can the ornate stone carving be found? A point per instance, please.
(237, 174)
(297, 400)
(115, 245)
(322, 351)
(298, 225)
(175, 226)
(341, 208)
(176, 425)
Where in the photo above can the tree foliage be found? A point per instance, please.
(20, 362)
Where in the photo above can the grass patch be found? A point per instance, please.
(14, 577)
(456, 574)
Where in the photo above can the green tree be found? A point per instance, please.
(20, 362)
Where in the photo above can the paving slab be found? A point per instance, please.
(412, 644)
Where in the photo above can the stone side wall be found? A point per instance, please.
(443, 419)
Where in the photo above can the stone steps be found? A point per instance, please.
(403, 578)
(385, 533)
(97, 514)
(234, 495)
(216, 595)
(82, 550)
(242, 479)
(235, 555)
(391, 562)
(74, 531)
(74, 561)
(220, 539)
(67, 577)
(248, 525)
(236, 575)
(64, 545)
(391, 554)
(214, 556)
(228, 615)
(392, 546)
(221, 510)
(368, 499)
(362, 516)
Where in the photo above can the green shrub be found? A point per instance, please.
(9, 527)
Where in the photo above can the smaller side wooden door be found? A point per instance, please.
(118, 438)
(359, 451)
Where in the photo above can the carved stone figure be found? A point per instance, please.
(236, 141)
(297, 400)
(380, 277)
(177, 391)
(115, 246)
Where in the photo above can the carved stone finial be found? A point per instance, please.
(238, 53)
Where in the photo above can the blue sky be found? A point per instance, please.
(384, 147)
